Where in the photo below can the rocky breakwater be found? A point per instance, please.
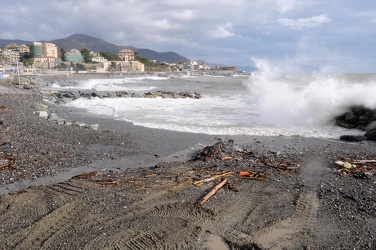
(53, 99)
(359, 117)
(23, 82)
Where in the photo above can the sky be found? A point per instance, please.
(332, 35)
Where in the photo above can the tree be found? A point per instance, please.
(63, 65)
(113, 65)
(151, 66)
(27, 62)
(110, 57)
(80, 67)
(87, 56)
(62, 53)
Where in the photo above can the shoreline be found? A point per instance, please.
(153, 197)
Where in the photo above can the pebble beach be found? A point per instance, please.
(142, 196)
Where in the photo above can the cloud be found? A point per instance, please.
(222, 31)
(301, 23)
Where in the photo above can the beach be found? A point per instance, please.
(139, 190)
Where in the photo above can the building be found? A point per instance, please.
(74, 55)
(22, 49)
(132, 66)
(50, 50)
(98, 59)
(9, 56)
(13, 52)
(45, 55)
(36, 49)
(126, 55)
(44, 62)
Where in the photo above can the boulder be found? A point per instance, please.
(357, 117)
(371, 131)
(359, 110)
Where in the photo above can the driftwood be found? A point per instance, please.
(85, 175)
(212, 192)
(5, 165)
(106, 182)
(211, 178)
(363, 161)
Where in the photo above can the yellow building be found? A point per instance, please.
(50, 50)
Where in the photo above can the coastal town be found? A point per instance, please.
(44, 58)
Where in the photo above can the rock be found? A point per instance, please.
(41, 107)
(68, 94)
(42, 114)
(352, 138)
(79, 124)
(358, 110)
(53, 117)
(121, 94)
(371, 131)
(94, 126)
(68, 123)
(197, 95)
(357, 117)
(85, 94)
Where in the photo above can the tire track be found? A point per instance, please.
(283, 234)
(50, 229)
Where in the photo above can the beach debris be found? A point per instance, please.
(3, 109)
(90, 176)
(254, 175)
(357, 168)
(4, 145)
(244, 173)
(6, 161)
(212, 178)
(231, 187)
(106, 182)
(219, 151)
(212, 192)
(86, 175)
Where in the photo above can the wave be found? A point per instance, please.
(306, 99)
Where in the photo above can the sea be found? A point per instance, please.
(260, 103)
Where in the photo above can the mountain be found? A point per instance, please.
(80, 41)
(5, 42)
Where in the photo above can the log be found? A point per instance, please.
(212, 192)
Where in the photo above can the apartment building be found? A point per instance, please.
(9, 56)
(22, 49)
(36, 49)
(50, 50)
(39, 49)
(45, 55)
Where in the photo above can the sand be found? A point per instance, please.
(141, 194)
